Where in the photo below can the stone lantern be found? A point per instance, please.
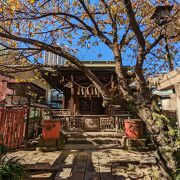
(162, 16)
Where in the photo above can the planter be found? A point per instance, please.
(133, 128)
(51, 129)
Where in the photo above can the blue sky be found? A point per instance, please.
(92, 53)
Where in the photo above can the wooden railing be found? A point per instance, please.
(59, 112)
(92, 122)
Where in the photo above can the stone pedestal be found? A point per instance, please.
(51, 144)
(137, 144)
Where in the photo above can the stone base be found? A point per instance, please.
(51, 144)
(47, 142)
(46, 149)
(137, 144)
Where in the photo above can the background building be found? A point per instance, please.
(53, 59)
(55, 99)
(4, 1)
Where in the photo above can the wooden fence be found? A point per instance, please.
(12, 126)
(93, 122)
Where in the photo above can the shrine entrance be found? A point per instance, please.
(91, 105)
(83, 100)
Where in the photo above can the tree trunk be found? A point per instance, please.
(157, 125)
(149, 114)
(124, 89)
(142, 84)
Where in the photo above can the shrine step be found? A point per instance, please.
(96, 141)
(95, 134)
(91, 146)
(78, 141)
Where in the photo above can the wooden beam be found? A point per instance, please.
(177, 89)
(167, 81)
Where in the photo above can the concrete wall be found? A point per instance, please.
(169, 104)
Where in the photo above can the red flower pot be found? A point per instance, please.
(51, 129)
(133, 128)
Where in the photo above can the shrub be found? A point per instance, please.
(12, 169)
(3, 149)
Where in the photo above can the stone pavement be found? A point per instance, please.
(105, 162)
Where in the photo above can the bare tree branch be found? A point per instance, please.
(134, 25)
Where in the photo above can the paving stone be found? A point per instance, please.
(66, 165)
(92, 161)
(40, 175)
(121, 177)
(64, 174)
(92, 167)
(133, 175)
(77, 176)
(147, 177)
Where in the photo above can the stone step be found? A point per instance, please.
(95, 134)
(78, 141)
(91, 146)
(93, 141)
(141, 149)
(143, 161)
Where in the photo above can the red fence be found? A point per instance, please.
(12, 126)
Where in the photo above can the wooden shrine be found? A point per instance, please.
(81, 97)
